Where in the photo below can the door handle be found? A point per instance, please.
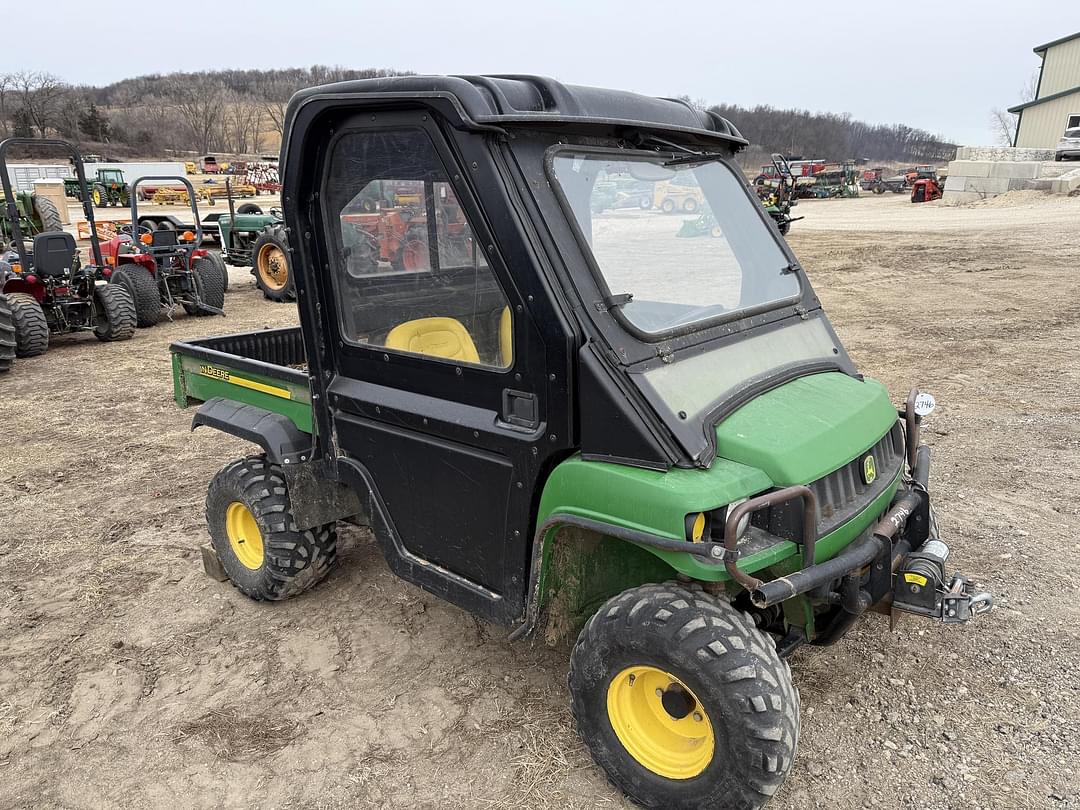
(520, 408)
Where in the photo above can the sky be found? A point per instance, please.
(940, 65)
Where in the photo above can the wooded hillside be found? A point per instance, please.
(241, 112)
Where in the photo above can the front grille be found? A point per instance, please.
(841, 493)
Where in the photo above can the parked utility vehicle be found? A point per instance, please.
(561, 419)
(48, 290)
(162, 268)
(251, 238)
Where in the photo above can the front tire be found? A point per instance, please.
(116, 318)
(264, 554)
(31, 327)
(683, 701)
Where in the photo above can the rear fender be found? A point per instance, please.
(283, 442)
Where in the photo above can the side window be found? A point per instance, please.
(408, 273)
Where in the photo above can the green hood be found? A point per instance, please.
(807, 428)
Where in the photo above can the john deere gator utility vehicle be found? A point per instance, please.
(163, 267)
(48, 290)
(554, 417)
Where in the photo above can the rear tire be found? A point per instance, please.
(100, 196)
(31, 327)
(7, 336)
(266, 557)
(714, 719)
(219, 262)
(210, 286)
(143, 289)
(116, 317)
(270, 259)
(48, 213)
(249, 208)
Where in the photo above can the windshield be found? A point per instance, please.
(676, 245)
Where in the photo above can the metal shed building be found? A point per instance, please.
(1057, 99)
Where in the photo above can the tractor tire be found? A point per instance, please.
(219, 262)
(264, 554)
(668, 206)
(879, 188)
(48, 214)
(683, 701)
(99, 196)
(645, 203)
(31, 327)
(116, 318)
(7, 336)
(784, 227)
(249, 208)
(690, 205)
(270, 261)
(210, 286)
(144, 292)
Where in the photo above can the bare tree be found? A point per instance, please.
(1003, 125)
(39, 97)
(199, 98)
(7, 84)
(242, 123)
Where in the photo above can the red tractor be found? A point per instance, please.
(45, 288)
(925, 185)
(164, 267)
(398, 235)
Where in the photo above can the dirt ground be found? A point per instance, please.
(130, 679)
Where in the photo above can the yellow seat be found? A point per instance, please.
(438, 337)
(506, 339)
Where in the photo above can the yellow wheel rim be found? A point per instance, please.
(244, 535)
(273, 269)
(660, 722)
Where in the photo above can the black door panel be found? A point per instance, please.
(415, 473)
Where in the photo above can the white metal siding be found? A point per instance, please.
(23, 175)
(1061, 68)
(1041, 126)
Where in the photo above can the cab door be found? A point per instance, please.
(451, 388)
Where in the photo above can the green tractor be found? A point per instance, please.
(108, 187)
(37, 214)
(251, 238)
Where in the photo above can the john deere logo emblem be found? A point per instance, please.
(869, 470)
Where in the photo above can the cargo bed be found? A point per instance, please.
(267, 369)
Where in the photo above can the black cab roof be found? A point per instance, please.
(513, 100)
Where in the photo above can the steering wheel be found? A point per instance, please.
(125, 230)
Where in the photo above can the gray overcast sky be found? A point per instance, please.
(940, 65)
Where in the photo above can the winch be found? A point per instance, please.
(921, 587)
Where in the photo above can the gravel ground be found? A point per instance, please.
(130, 679)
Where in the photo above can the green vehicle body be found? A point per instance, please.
(761, 446)
(238, 235)
(30, 220)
